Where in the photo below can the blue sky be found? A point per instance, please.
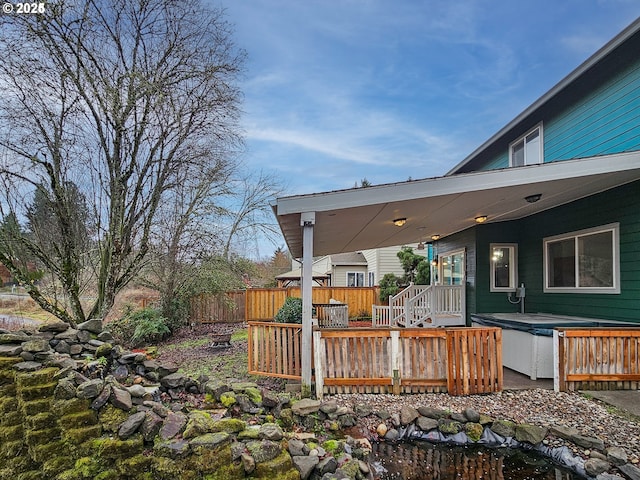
(341, 90)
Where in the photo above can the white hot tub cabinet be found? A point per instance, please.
(527, 339)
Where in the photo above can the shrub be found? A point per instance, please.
(389, 286)
(140, 327)
(290, 312)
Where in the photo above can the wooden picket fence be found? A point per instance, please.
(262, 304)
(598, 358)
(461, 361)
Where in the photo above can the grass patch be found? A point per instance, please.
(191, 343)
(240, 335)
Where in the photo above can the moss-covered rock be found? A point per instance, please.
(80, 435)
(66, 407)
(38, 377)
(228, 399)
(56, 465)
(12, 433)
(40, 421)
(198, 424)
(8, 405)
(254, 395)
(474, 431)
(35, 392)
(115, 449)
(334, 447)
(78, 420)
(280, 467)
(229, 425)
(9, 449)
(41, 437)
(44, 452)
(111, 418)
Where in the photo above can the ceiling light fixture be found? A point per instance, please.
(435, 237)
(399, 222)
(533, 198)
(481, 218)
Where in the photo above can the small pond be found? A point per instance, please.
(426, 461)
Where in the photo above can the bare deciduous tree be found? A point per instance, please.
(119, 98)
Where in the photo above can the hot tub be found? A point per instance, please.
(527, 338)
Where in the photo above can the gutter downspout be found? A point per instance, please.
(307, 221)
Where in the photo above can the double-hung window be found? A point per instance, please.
(355, 279)
(527, 150)
(587, 261)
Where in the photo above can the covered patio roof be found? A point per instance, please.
(362, 218)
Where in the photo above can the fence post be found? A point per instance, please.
(395, 360)
(318, 350)
(559, 365)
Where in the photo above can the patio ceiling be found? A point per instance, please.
(361, 218)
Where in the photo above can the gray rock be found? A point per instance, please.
(65, 390)
(426, 424)
(326, 465)
(210, 441)
(383, 415)
(504, 428)
(449, 426)
(264, 450)
(173, 424)
(269, 399)
(630, 471)
(587, 442)
(459, 417)
(305, 465)
(363, 410)
(408, 415)
(62, 347)
(131, 425)
(83, 336)
(120, 398)
(248, 463)
(137, 390)
(69, 334)
(90, 389)
(173, 380)
(330, 407)
(530, 433)
(563, 432)
(75, 349)
(102, 399)
(595, 466)
(10, 350)
(150, 426)
(166, 369)
(271, 431)
(9, 338)
(432, 412)
(93, 326)
(392, 435)
(172, 448)
(306, 406)
(297, 448)
(36, 345)
(472, 415)
(617, 455)
(105, 336)
(55, 326)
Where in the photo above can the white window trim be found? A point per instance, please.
(611, 227)
(513, 269)
(522, 137)
(355, 274)
(450, 253)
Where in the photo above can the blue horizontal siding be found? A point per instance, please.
(604, 122)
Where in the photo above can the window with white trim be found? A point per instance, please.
(372, 279)
(527, 150)
(504, 267)
(355, 279)
(587, 261)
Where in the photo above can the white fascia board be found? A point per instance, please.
(456, 184)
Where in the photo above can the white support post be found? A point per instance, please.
(307, 221)
(319, 362)
(556, 360)
(395, 361)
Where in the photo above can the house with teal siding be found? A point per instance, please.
(539, 226)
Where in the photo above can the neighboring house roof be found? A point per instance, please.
(296, 273)
(349, 258)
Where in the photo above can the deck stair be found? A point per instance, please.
(422, 306)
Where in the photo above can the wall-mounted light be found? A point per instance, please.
(420, 246)
(399, 222)
(435, 237)
(481, 218)
(533, 198)
(434, 262)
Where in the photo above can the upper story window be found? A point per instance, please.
(586, 261)
(527, 150)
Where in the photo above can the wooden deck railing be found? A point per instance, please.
(274, 349)
(598, 358)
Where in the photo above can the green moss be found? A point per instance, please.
(10, 449)
(254, 395)
(34, 407)
(31, 475)
(111, 418)
(42, 453)
(229, 425)
(9, 434)
(135, 463)
(108, 475)
(228, 399)
(199, 423)
(36, 392)
(8, 405)
(7, 362)
(280, 467)
(250, 433)
(77, 436)
(67, 407)
(11, 418)
(39, 377)
(116, 449)
(40, 421)
(334, 447)
(351, 468)
(56, 465)
(474, 431)
(7, 390)
(41, 437)
(77, 420)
